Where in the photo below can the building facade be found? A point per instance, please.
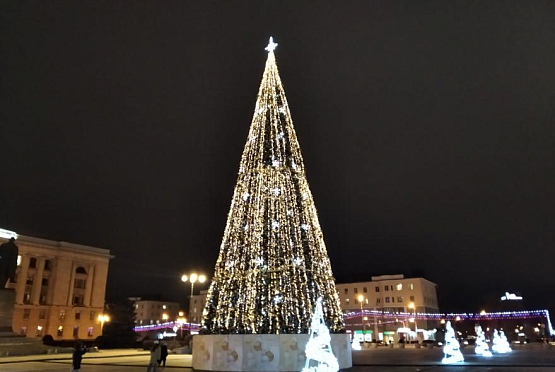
(389, 294)
(155, 312)
(59, 288)
(196, 307)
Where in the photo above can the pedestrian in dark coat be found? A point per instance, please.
(163, 355)
(80, 349)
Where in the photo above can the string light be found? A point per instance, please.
(272, 243)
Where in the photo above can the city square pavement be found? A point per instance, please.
(533, 359)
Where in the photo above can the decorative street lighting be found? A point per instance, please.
(192, 278)
(411, 306)
(361, 300)
(103, 318)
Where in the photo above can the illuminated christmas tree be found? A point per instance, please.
(273, 264)
(451, 349)
(481, 347)
(319, 356)
(500, 343)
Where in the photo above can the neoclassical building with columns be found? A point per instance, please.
(59, 288)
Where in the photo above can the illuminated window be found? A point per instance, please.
(400, 299)
(39, 331)
(19, 264)
(164, 306)
(26, 313)
(62, 314)
(399, 287)
(411, 286)
(23, 331)
(27, 297)
(91, 316)
(347, 301)
(60, 331)
(90, 331)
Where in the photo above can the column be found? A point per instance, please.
(37, 284)
(71, 285)
(21, 279)
(89, 285)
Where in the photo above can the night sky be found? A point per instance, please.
(427, 130)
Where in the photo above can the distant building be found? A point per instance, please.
(393, 294)
(154, 311)
(196, 306)
(59, 288)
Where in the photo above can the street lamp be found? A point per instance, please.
(192, 278)
(102, 318)
(361, 299)
(411, 306)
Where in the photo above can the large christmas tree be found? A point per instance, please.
(273, 264)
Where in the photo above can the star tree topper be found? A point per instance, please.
(271, 45)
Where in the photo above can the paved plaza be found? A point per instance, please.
(533, 359)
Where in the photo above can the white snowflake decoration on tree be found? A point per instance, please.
(451, 349)
(318, 349)
(500, 343)
(482, 347)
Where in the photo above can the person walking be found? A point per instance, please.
(163, 355)
(155, 355)
(80, 349)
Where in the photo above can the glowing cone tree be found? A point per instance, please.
(273, 263)
(481, 347)
(319, 355)
(451, 350)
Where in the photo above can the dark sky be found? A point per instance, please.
(427, 130)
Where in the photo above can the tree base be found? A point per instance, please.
(283, 352)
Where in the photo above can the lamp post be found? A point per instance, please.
(181, 320)
(192, 278)
(361, 299)
(102, 318)
(411, 306)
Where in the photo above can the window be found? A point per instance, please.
(18, 260)
(195, 310)
(387, 299)
(90, 331)
(400, 299)
(42, 314)
(364, 289)
(377, 289)
(81, 270)
(47, 265)
(13, 279)
(356, 301)
(62, 314)
(412, 298)
(399, 287)
(39, 331)
(356, 290)
(23, 331)
(387, 288)
(378, 300)
(77, 315)
(26, 313)
(80, 283)
(346, 290)
(60, 331)
(27, 298)
(44, 282)
(392, 298)
(347, 301)
(42, 298)
(30, 279)
(76, 331)
(78, 300)
(33, 263)
(411, 286)
(92, 314)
